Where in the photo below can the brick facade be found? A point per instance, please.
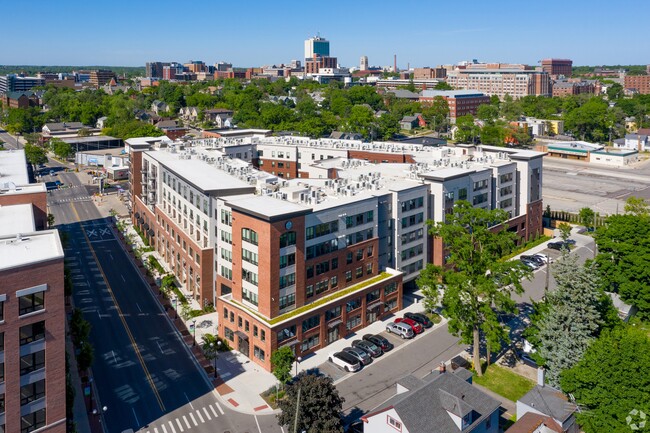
(38, 200)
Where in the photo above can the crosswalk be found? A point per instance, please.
(72, 199)
(187, 421)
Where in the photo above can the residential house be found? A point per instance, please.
(411, 122)
(159, 107)
(535, 423)
(219, 116)
(191, 114)
(637, 141)
(65, 130)
(171, 129)
(548, 401)
(441, 402)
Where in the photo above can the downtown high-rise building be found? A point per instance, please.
(316, 47)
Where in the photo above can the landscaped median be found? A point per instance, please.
(334, 296)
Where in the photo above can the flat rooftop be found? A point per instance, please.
(115, 151)
(13, 167)
(18, 218)
(29, 248)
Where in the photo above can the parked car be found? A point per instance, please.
(345, 361)
(355, 427)
(417, 328)
(538, 261)
(526, 359)
(573, 241)
(380, 341)
(556, 245)
(361, 355)
(372, 349)
(532, 265)
(544, 258)
(401, 329)
(420, 318)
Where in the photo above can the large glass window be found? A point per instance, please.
(287, 239)
(249, 256)
(287, 260)
(249, 276)
(30, 303)
(249, 236)
(32, 421)
(32, 332)
(321, 230)
(310, 323)
(31, 392)
(32, 362)
(286, 333)
(287, 280)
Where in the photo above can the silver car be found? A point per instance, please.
(360, 354)
(401, 329)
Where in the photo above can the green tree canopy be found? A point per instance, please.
(436, 114)
(60, 148)
(282, 361)
(611, 380)
(319, 409)
(623, 257)
(587, 217)
(474, 280)
(467, 131)
(35, 154)
(637, 206)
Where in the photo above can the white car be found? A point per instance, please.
(543, 257)
(345, 361)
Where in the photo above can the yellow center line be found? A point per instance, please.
(119, 313)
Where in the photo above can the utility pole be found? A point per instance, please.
(548, 272)
(295, 421)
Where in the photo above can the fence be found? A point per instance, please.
(574, 218)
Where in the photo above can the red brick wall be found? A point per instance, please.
(38, 201)
(50, 273)
(271, 166)
(377, 157)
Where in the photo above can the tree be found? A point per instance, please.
(209, 345)
(487, 113)
(436, 113)
(50, 220)
(282, 361)
(474, 280)
(565, 231)
(614, 92)
(443, 85)
(79, 328)
(35, 154)
(387, 126)
(60, 148)
(623, 257)
(319, 408)
(611, 380)
(587, 217)
(575, 312)
(637, 206)
(467, 131)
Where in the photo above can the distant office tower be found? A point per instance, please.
(316, 46)
(555, 67)
(101, 77)
(363, 64)
(155, 69)
(223, 66)
(16, 83)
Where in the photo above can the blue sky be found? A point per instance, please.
(253, 33)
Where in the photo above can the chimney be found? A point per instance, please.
(541, 376)
(395, 63)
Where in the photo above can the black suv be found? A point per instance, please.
(557, 245)
(379, 341)
(420, 318)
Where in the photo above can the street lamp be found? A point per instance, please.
(194, 332)
(298, 361)
(216, 356)
(174, 300)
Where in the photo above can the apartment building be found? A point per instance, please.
(639, 82)
(32, 312)
(429, 73)
(460, 102)
(501, 80)
(100, 77)
(308, 252)
(557, 67)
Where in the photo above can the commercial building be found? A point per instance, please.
(320, 243)
(501, 80)
(32, 312)
(19, 83)
(316, 47)
(100, 77)
(558, 67)
(429, 73)
(641, 83)
(460, 102)
(155, 69)
(575, 87)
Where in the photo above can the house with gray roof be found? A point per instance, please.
(159, 106)
(548, 401)
(441, 402)
(637, 141)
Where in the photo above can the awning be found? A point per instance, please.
(146, 226)
(137, 215)
(241, 335)
(290, 343)
(334, 323)
(152, 233)
(373, 305)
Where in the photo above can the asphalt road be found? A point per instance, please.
(9, 140)
(143, 372)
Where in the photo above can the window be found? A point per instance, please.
(353, 322)
(249, 276)
(412, 220)
(286, 333)
(335, 263)
(480, 198)
(505, 178)
(226, 255)
(32, 332)
(287, 260)
(322, 267)
(310, 323)
(30, 303)
(2, 407)
(287, 280)
(333, 313)
(369, 251)
(321, 286)
(506, 190)
(228, 333)
(334, 281)
(287, 239)
(390, 288)
(412, 252)
(353, 304)
(359, 254)
(32, 421)
(312, 341)
(287, 301)
(249, 236)
(32, 362)
(249, 256)
(246, 326)
(309, 291)
(31, 392)
(348, 276)
(349, 258)
(394, 423)
(412, 236)
(263, 335)
(372, 296)
(2, 311)
(413, 203)
(368, 268)
(249, 296)
(391, 305)
(239, 322)
(359, 219)
(481, 184)
(321, 249)
(226, 273)
(310, 271)
(359, 272)
(232, 317)
(321, 230)
(258, 353)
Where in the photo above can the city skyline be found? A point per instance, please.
(71, 37)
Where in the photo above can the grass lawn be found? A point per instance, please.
(505, 382)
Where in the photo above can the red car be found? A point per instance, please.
(417, 328)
